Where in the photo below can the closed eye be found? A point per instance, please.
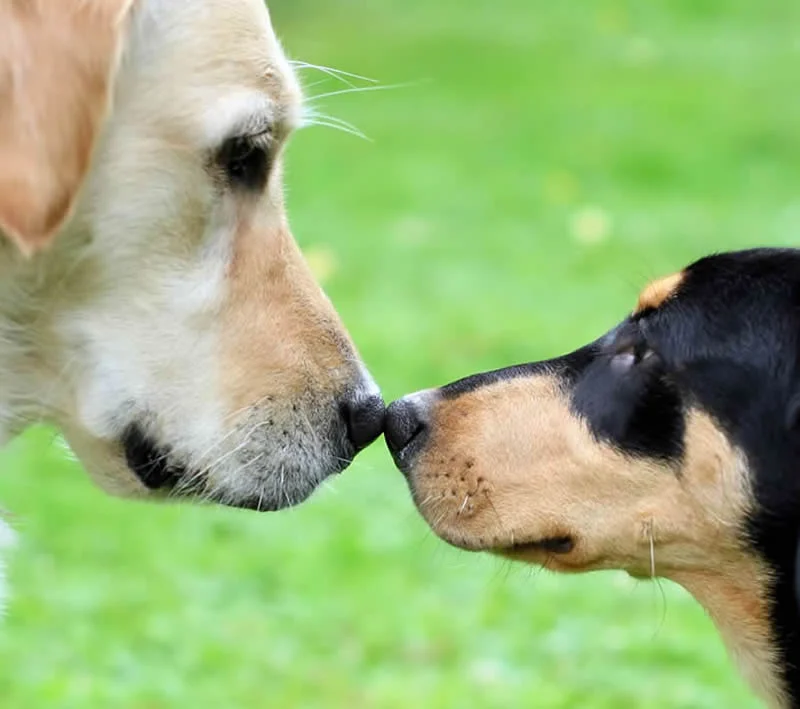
(246, 160)
(631, 347)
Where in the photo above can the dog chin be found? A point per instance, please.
(137, 467)
(262, 483)
(278, 485)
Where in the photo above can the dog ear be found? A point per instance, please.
(57, 63)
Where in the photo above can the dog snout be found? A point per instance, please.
(364, 418)
(407, 423)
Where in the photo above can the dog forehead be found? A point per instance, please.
(204, 46)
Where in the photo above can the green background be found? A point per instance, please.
(541, 162)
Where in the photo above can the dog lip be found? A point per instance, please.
(404, 458)
(149, 461)
(154, 464)
(562, 544)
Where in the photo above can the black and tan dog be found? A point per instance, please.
(669, 447)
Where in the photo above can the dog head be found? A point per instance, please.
(667, 447)
(157, 306)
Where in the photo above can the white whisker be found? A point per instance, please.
(313, 117)
(361, 90)
(338, 74)
(325, 124)
(463, 505)
(313, 84)
(654, 577)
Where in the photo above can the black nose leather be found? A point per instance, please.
(364, 418)
(405, 423)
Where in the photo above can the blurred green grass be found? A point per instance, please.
(543, 161)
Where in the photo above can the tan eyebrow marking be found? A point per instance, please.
(658, 291)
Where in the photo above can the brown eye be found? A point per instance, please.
(245, 161)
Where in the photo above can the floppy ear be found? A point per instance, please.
(57, 61)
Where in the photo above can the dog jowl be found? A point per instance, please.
(668, 446)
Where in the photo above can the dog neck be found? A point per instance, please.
(737, 599)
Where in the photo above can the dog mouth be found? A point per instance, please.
(551, 546)
(556, 545)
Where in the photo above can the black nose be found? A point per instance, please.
(364, 418)
(406, 426)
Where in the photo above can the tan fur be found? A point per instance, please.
(509, 464)
(57, 60)
(737, 601)
(659, 291)
(272, 290)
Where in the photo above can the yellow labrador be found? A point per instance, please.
(153, 303)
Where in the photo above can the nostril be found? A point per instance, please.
(364, 419)
(405, 422)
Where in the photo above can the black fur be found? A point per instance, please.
(568, 367)
(150, 462)
(633, 405)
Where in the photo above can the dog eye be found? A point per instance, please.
(626, 359)
(245, 160)
(623, 361)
